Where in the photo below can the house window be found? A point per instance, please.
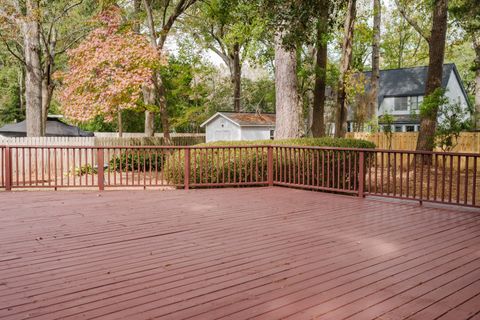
(410, 128)
(400, 104)
(415, 102)
(398, 128)
(405, 104)
(272, 134)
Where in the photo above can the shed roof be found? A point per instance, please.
(246, 119)
(55, 128)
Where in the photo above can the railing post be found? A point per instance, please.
(361, 174)
(186, 174)
(8, 169)
(270, 165)
(100, 169)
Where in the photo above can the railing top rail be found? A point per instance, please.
(440, 153)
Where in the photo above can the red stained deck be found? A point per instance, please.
(262, 253)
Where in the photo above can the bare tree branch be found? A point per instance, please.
(151, 23)
(181, 6)
(412, 22)
(70, 44)
(13, 53)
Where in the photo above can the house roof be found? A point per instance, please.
(55, 128)
(246, 119)
(411, 81)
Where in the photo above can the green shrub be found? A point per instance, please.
(248, 165)
(137, 160)
(83, 170)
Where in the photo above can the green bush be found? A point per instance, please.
(248, 165)
(83, 170)
(137, 160)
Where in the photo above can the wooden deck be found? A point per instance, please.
(261, 253)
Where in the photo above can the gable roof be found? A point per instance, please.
(411, 81)
(55, 128)
(245, 119)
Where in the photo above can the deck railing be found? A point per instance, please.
(422, 176)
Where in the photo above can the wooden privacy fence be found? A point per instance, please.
(467, 142)
(450, 178)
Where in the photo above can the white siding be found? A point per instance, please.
(221, 129)
(386, 106)
(454, 91)
(256, 133)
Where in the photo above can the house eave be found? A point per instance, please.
(215, 116)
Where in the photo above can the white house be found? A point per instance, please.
(232, 126)
(401, 92)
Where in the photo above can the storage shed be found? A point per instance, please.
(233, 126)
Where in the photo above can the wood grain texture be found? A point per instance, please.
(260, 253)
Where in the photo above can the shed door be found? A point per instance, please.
(222, 135)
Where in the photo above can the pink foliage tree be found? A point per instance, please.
(107, 71)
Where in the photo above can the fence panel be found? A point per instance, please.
(468, 142)
(329, 169)
(53, 167)
(424, 176)
(449, 178)
(221, 166)
(140, 166)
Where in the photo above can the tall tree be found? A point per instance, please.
(321, 54)
(402, 46)
(467, 15)
(286, 95)
(476, 44)
(291, 24)
(345, 64)
(436, 53)
(230, 29)
(37, 34)
(24, 18)
(155, 94)
(107, 71)
(375, 77)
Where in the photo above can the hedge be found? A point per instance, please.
(249, 165)
(137, 160)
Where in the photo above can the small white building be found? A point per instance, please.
(233, 126)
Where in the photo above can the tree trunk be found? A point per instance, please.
(318, 117)
(236, 76)
(436, 53)
(162, 103)
(477, 80)
(159, 94)
(149, 124)
(47, 93)
(345, 63)
(287, 113)
(375, 78)
(47, 84)
(149, 99)
(119, 123)
(21, 90)
(137, 8)
(33, 71)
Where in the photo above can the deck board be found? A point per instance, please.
(249, 253)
